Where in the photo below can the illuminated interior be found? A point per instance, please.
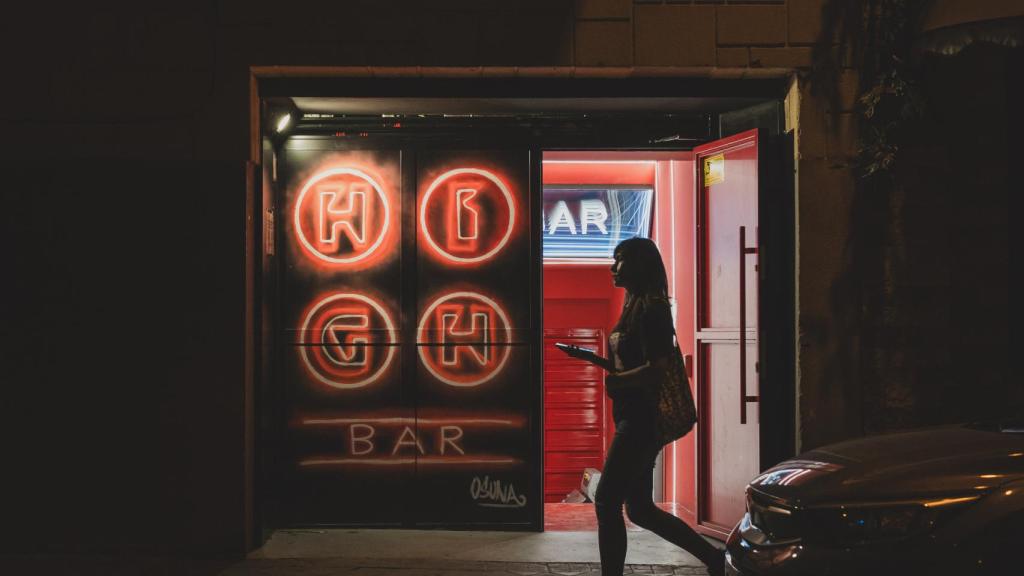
(581, 306)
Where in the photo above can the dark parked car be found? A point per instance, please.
(944, 500)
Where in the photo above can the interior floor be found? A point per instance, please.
(563, 517)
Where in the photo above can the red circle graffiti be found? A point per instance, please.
(347, 340)
(464, 338)
(342, 216)
(467, 215)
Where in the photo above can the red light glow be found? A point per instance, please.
(467, 215)
(340, 340)
(463, 338)
(398, 420)
(389, 440)
(343, 215)
(428, 461)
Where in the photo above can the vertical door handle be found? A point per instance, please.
(744, 398)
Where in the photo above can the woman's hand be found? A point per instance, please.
(587, 356)
(619, 380)
(576, 352)
(636, 377)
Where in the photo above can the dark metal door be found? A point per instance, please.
(409, 303)
(475, 335)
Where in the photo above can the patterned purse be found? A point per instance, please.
(676, 411)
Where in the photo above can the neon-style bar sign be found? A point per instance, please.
(588, 222)
(463, 338)
(467, 215)
(347, 340)
(392, 440)
(342, 216)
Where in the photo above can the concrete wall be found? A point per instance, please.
(125, 130)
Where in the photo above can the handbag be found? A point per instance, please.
(676, 413)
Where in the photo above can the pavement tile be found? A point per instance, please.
(525, 568)
(426, 572)
(279, 567)
(256, 566)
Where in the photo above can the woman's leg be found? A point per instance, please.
(644, 513)
(624, 463)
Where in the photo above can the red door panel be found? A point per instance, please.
(566, 395)
(729, 205)
(726, 333)
(557, 442)
(573, 412)
(725, 473)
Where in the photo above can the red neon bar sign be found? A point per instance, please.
(395, 440)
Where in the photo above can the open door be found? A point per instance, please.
(727, 327)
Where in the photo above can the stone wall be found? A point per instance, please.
(752, 34)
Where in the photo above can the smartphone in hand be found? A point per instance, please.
(587, 354)
(574, 350)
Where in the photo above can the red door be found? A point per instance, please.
(726, 327)
(574, 408)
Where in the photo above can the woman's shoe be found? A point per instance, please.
(717, 565)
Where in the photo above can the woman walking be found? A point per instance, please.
(639, 347)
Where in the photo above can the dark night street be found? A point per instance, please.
(535, 287)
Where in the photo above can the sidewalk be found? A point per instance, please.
(92, 565)
(380, 567)
(323, 552)
(455, 553)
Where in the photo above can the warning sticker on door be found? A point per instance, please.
(714, 169)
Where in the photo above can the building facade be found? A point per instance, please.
(129, 130)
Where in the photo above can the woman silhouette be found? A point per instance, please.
(639, 346)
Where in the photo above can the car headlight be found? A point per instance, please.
(769, 522)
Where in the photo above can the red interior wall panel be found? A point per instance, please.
(674, 233)
(589, 172)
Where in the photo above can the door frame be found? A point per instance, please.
(440, 82)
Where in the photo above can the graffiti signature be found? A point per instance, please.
(494, 494)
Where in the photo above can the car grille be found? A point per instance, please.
(780, 522)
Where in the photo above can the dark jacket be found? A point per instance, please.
(644, 333)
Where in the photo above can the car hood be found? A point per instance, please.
(936, 462)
